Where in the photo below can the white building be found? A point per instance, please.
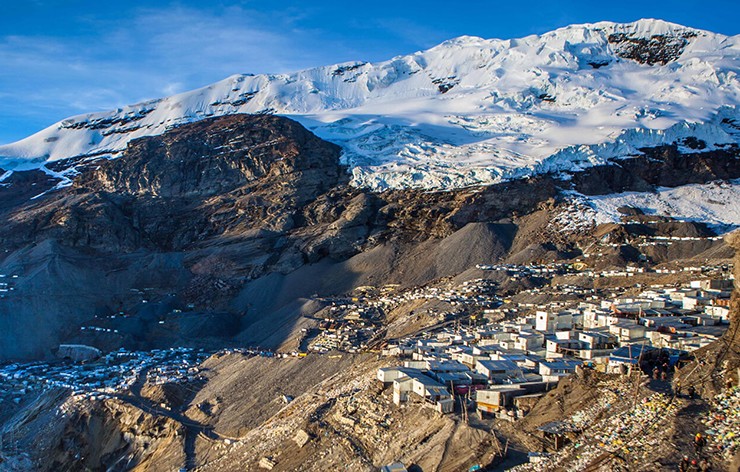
(553, 371)
(529, 341)
(627, 331)
(720, 312)
(500, 371)
(425, 387)
(549, 322)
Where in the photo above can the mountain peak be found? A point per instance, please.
(644, 27)
(652, 26)
(470, 111)
(463, 40)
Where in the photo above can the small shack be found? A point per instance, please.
(558, 433)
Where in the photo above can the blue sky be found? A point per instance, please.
(64, 57)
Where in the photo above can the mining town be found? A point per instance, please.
(477, 353)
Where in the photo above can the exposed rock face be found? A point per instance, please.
(218, 156)
(657, 49)
(21, 187)
(239, 219)
(664, 166)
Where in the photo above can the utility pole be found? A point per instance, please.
(466, 407)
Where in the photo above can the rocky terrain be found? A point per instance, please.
(219, 232)
(237, 230)
(165, 268)
(247, 410)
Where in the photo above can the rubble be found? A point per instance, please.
(723, 423)
(613, 429)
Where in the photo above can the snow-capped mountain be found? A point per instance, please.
(469, 111)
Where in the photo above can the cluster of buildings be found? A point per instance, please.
(441, 369)
(560, 268)
(353, 324)
(505, 366)
(552, 269)
(347, 325)
(479, 292)
(542, 270)
(7, 283)
(615, 240)
(101, 377)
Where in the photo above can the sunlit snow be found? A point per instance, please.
(467, 112)
(715, 203)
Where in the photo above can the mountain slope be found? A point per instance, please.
(467, 112)
(226, 230)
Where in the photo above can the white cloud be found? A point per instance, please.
(153, 53)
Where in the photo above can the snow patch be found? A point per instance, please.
(715, 203)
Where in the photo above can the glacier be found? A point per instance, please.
(467, 112)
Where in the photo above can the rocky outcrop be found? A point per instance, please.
(61, 432)
(218, 156)
(664, 166)
(656, 49)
